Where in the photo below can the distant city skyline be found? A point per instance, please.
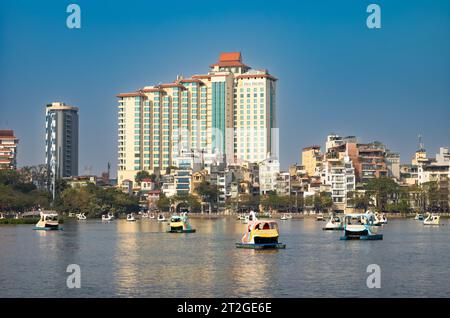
(334, 74)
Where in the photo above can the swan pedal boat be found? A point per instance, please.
(48, 222)
(432, 219)
(180, 224)
(334, 224)
(261, 234)
(367, 231)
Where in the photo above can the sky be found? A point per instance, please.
(334, 74)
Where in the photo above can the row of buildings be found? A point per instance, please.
(342, 169)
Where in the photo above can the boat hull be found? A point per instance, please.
(333, 228)
(47, 228)
(181, 231)
(261, 246)
(373, 237)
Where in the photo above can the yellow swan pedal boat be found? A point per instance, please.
(180, 224)
(261, 234)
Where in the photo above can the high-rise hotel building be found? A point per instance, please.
(61, 139)
(230, 112)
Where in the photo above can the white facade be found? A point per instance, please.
(61, 139)
(340, 176)
(268, 172)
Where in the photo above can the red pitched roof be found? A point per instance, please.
(7, 133)
(190, 80)
(230, 56)
(229, 59)
(133, 94)
(171, 85)
(149, 90)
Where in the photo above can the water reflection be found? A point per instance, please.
(139, 259)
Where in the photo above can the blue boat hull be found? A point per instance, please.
(373, 237)
(47, 228)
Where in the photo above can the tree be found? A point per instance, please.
(18, 194)
(385, 190)
(358, 200)
(274, 201)
(141, 175)
(163, 203)
(207, 192)
(248, 201)
(189, 200)
(94, 201)
(432, 195)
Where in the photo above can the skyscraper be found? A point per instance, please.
(230, 111)
(61, 139)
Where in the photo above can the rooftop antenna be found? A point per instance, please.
(421, 144)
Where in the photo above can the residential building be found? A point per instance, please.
(371, 162)
(168, 187)
(409, 174)
(312, 159)
(339, 175)
(443, 157)
(61, 139)
(230, 111)
(393, 164)
(283, 184)
(268, 172)
(80, 181)
(8, 149)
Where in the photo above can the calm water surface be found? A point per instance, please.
(122, 259)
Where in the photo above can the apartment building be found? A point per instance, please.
(61, 139)
(230, 111)
(269, 169)
(8, 149)
(312, 160)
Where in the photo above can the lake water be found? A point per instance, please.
(122, 259)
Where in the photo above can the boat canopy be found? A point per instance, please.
(264, 225)
(49, 216)
(357, 215)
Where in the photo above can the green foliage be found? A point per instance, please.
(141, 175)
(320, 202)
(359, 201)
(207, 191)
(16, 194)
(95, 201)
(164, 203)
(384, 190)
(188, 199)
(274, 201)
(248, 201)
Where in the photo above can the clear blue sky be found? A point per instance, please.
(335, 75)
